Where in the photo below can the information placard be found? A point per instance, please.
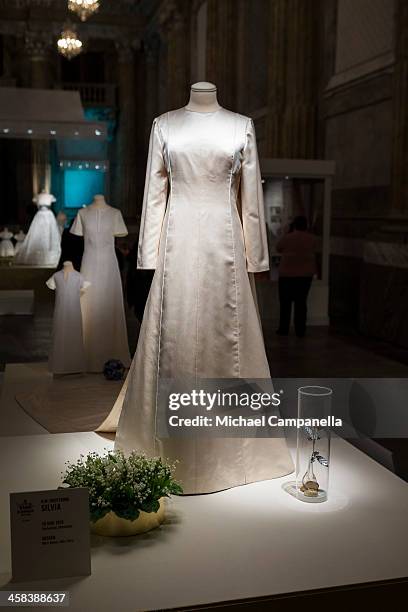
(50, 535)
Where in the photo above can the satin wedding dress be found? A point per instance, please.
(203, 230)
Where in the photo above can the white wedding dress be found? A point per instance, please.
(6, 246)
(104, 322)
(42, 245)
(19, 238)
(67, 355)
(203, 230)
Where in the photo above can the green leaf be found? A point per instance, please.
(95, 515)
(130, 513)
(151, 505)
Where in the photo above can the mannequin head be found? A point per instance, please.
(99, 199)
(67, 268)
(203, 98)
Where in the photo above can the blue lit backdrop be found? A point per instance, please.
(80, 186)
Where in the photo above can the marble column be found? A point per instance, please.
(152, 50)
(222, 23)
(278, 17)
(177, 56)
(293, 82)
(126, 197)
(38, 60)
(400, 119)
(242, 54)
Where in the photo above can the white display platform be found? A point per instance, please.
(247, 542)
(16, 302)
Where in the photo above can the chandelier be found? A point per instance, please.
(83, 8)
(69, 44)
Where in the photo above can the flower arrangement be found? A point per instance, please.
(114, 370)
(125, 485)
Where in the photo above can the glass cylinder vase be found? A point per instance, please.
(313, 444)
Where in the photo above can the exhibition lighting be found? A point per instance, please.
(83, 8)
(83, 165)
(69, 44)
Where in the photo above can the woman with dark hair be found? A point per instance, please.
(296, 270)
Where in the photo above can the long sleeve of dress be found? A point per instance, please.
(154, 203)
(252, 206)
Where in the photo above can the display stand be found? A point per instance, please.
(247, 542)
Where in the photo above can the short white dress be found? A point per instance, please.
(6, 246)
(19, 238)
(67, 355)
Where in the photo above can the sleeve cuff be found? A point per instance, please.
(255, 269)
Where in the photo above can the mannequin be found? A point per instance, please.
(67, 355)
(203, 98)
(19, 238)
(61, 220)
(102, 306)
(99, 201)
(68, 268)
(6, 246)
(201, 321)
(42, 245)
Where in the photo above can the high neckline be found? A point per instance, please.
(188, 110)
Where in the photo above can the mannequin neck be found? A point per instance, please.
(68, 268)
(99, 201)
(203, 98)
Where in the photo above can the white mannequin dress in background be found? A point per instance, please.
(19, 238)
(201, 320)
(6, 246)
(61, 220)
(67, 355)
(42, 245)
(104, 323)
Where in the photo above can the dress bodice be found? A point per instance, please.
(44, 199)
(99, 226)
(203, 172)
(203, 151)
